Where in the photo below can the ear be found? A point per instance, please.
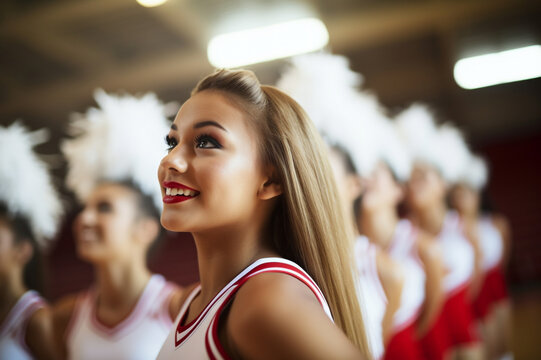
(147, 229)
(270, 188)
(24, 253)
(355, 186)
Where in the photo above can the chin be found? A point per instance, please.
(88, 256)
(171, 222)
(87, 253)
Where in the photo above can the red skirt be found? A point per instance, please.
(459, 319)
(403, 345)
(436, 342)
(493, 290)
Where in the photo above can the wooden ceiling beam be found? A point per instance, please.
(392, 22)
(59, 98)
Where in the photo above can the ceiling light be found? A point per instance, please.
(267, 43)
(499, 68)
(151, 3)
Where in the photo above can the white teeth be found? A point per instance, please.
(176, 191)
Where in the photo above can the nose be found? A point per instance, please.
(85, 218)
(175, 160)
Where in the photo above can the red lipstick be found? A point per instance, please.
(171, 199)
(176, 185)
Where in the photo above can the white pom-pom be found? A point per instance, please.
(327, 89)
(441, 147)
(475, 173)
(451, 151)
(120, 140)
(417, 130)
(25, 183)
(393, 151)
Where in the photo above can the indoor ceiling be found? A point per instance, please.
(54, 53)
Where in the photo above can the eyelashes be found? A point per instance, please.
(203, 141)
(170, 142)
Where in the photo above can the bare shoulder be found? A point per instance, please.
(62, 312)
(501, 223)
(39, 334)
(272, 298)
(427, 248)
(275, 315)
(389, 271)
(64, 307)
(40, 323)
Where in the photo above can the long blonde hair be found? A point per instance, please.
(308, 225)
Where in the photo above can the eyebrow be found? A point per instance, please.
(202, 124)
(208, 123)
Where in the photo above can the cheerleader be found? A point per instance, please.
(29, 214)
(380, 278)
(128, 311)
(491, 231)
(439, 154)
(328, 90)
(247, 175)
(417, 253)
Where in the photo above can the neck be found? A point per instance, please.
(379, 225)
(431, 219)
(470, 215)
(118, 282)
(11, 289)
(222, 254)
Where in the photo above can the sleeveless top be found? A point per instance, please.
(199, 339)
(458, 254)
(402, 249)
(491, 243)
(139, 336)
(372, 298)
(13, 329)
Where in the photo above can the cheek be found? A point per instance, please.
(6, 252)
(108, 226)
(418, 190)
(119, 224)
(231, 174)
(229, 182)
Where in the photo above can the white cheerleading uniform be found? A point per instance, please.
(13, 329)
(199, 339)
(491, 243)
(372, 297)
(403, 250)
(139, 336)
(493, 288)
(458, 254)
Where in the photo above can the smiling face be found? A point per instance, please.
(105, 228)
(213, 153)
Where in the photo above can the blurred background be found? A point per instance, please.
(54, 53)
